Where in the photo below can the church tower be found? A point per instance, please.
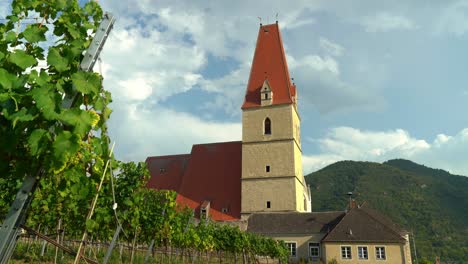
(272, 179)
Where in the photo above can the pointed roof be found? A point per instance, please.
(269, 63)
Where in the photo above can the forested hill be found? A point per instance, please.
(430, 202)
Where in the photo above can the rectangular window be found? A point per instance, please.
(314, 250)
(267, 168)
(362, 253)
(268, 204)
(291, 246)
(380, 253)
(345, 252)
(203, 214)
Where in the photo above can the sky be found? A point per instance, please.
(376, 80)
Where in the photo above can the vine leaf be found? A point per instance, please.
(34, 34)
(6, 79)
(56, 60)
(34, 141)
(65, 145)
(21, 115)
(81, 120)
(22, 59)
(10, 36)
(45, 101)
(86, 82)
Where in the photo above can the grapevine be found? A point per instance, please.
(39, 71)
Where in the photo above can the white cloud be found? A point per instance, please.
(322, 86)
(141, 63)
(383, 22)
(228, 91)
(136, 88)
(453, 19)
(331, 47)
(4, 9)
(320, 63)
(140, 132)
(347, 143)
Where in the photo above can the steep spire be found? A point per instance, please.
(269, 63)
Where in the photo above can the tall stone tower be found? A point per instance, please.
(272, 178)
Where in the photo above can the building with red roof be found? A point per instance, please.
(258, 182)
(214, 178)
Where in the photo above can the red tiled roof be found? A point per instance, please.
(166, 171)
(269, 62)
(212, 172)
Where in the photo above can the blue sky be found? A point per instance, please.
(376, 80)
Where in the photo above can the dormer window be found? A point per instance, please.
(205, 210)
(266, 94)
(267, 126)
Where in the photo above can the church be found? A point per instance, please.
(259, 183)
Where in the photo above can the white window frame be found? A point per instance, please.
(314, 245)
(290, 249)
(367, 252)
(378, 253)
(350, 252)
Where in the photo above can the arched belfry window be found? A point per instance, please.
(267, 126)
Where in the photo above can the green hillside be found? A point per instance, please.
(431, 203)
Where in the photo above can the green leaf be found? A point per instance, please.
(87, 82)
(81, 120)
(60, 4)
(4, 97)
(65, 145)
(22, 59)
(6, 79)
(72, 30)
(33, 33)
(57, 61)
(34, 141)
(90, 224)
(43, 78)
(45, 101)
(10, 36)
(21, 115)
(2, 55)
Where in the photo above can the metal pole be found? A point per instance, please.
(10, 227)
(112, 244)
(17, 214)
(148, 252)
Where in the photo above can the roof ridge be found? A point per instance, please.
(253, 60)
(217, 143)
(168, 156)
(284, 64)
(334, 228)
